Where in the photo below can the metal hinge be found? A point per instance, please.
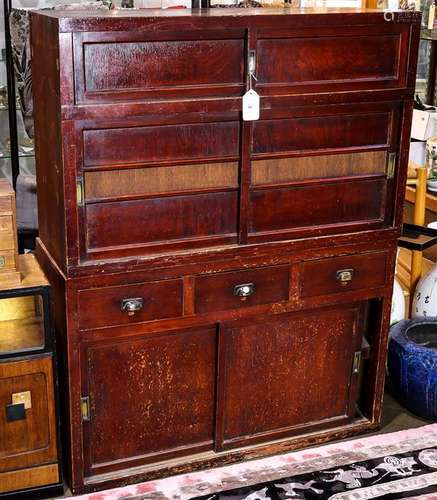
(85, 408)
(391, 165)
(357, 363)
(79, 191)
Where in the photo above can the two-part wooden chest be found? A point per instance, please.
(222, 286)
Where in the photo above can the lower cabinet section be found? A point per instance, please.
(173, 394)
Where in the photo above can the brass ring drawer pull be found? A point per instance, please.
(132, 306)
(244, 290)
(344, 276)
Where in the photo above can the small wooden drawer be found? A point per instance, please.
(236, 289)
(7, 259)
(342, 274)
(125, 304)
(7, 240)
(7, 232)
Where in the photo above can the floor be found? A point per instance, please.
(394, 418)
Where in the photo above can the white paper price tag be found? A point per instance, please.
(250, 106)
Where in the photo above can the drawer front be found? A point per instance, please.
(234, 290)
(28, 434)
(122, 66)
(7, 259)
(342, 274)
(7, 233)
(321, 63)
(126, 304)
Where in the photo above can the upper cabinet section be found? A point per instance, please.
(332, 59)
(153, 154)
(204, 56)
(126, 66)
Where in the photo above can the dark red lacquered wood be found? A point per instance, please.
(198, 369)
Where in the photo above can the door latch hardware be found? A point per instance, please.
(79, 191)
(357, 363)
(15, 412)
(391, 165)
(251, 64)
(85, 408)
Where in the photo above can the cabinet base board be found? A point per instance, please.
(206, 460)
(29, 478)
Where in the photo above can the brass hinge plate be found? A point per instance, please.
(79, 191)
(357, 363)
(391, 165)
(85, 408)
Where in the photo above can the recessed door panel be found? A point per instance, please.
(149, 397)
(285, 372)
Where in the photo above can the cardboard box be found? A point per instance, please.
(424, 124)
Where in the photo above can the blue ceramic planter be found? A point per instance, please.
(412, 365)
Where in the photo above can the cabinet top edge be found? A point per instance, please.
(258, 18)
(151, 14)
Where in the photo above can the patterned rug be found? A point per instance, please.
(386, 466)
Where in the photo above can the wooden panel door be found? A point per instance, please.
(287, 372)
(319, 173)
(150, 398)
(130, 65)
(376, 58)
(150, 187)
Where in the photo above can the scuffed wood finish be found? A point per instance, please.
(216, 292)
(178, 371)
(277, 375)
(181, 201)
(319, 277)
(100, 307)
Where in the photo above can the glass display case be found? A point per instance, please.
(426, 67)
